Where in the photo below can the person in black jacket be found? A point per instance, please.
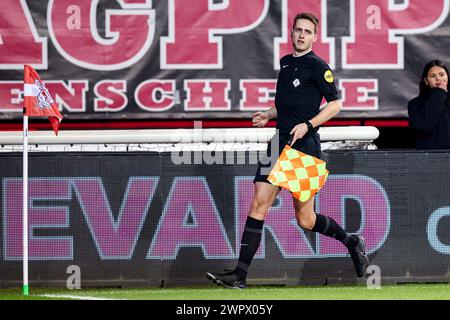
(429, 113)
(303, 81)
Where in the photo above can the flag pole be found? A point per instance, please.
(25, 206)
(37, 102)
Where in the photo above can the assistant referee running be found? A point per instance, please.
(304, 80)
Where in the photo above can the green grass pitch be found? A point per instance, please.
(330, 292)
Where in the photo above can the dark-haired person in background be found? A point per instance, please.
(429, 112)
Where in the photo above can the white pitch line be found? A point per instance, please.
(162, 290)
(67, 296)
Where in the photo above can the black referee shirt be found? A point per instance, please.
(302, 83)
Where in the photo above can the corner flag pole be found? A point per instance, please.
(37, 103)
(25, 206)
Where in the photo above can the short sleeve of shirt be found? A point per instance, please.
(325, 80)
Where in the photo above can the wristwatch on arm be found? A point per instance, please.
(309, 125)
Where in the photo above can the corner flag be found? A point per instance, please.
(37, 103)
(37, 99)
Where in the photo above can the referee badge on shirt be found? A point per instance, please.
(296, 83)
(328, 75)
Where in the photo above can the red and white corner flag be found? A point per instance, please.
(37, 99)
(37, 103)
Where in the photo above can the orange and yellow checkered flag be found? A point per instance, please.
(301, 174)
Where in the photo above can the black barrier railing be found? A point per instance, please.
(138, 219)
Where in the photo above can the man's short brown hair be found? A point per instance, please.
(308, 16)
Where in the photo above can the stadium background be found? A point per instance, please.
(134, 77)
(138, 80)
(137, 219)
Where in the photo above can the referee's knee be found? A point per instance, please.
(259, 209)
(306, 221)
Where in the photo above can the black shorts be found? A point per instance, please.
(309, 144)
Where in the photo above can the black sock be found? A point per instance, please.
(329, 227)
(249, 245)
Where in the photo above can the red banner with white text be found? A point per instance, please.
(209, 59)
